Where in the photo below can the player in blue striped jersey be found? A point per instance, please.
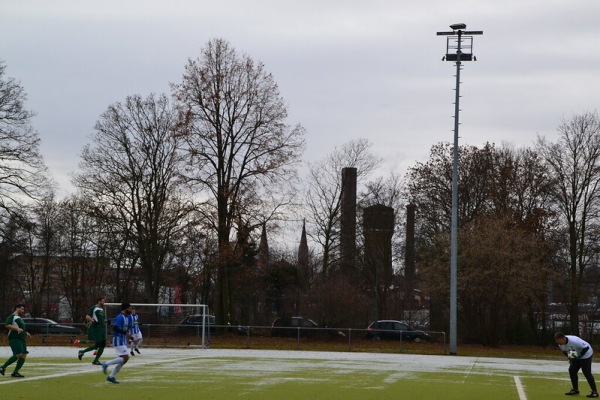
(121, 336)
(136, 333)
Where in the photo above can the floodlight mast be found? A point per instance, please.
(463, 53)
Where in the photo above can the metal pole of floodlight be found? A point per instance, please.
(462, 41)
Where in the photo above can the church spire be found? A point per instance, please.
(303, 252)
(263, 249)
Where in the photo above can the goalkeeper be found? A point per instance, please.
(579, 353)
(96, 330)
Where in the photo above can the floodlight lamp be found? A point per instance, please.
(456, 27)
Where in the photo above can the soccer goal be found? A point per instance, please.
(169, 325)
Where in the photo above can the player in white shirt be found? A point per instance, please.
(580, 354)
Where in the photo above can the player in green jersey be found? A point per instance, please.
(96, 330)
(17, 336)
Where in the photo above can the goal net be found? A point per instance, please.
(168, 325)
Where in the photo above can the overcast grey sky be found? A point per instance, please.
(347, 69)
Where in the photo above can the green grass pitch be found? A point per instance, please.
(284, 375)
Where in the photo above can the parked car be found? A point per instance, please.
(192, 324)
(396, 330)
(289, 326)
(48, 326)
(292, 326)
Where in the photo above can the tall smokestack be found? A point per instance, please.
(348, 219)
(378, 223)
(409, 255)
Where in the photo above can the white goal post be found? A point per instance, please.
(169, 325)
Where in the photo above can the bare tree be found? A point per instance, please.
(502, 269)
(46, 249)
(30, 235)
(429, 186)
(31, 279)
(521, 186)
(131, 173)
(502, 188)
(23, 175)
(22, 170)
(237, 142)
(194, 254)
(323, 198)
(574, 165)
(82, 269)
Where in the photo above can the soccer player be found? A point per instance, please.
(17, 336)
(135, 331)
(579, 353)
(96, 330)
(120, 338)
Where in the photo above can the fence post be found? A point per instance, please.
(349, 339)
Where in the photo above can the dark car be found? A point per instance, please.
(48, 326)
(396, 330)
(300, 326)
(192, 324)
(293, 326)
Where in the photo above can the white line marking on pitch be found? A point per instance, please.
(87, 371)
(520, 389)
